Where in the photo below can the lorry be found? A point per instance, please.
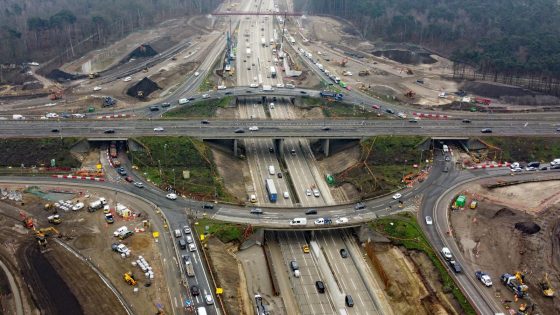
(96, 205)
(515, 284)
(273, 71)
(271, 190)
(298, 221)
(188, 266)
(292, 40)
(267, 88)
(328, 94)
(17, 117)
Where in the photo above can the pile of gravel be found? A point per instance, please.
(146, 85)
(144, 50)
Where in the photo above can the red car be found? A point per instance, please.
(375, 106)
(128, 179)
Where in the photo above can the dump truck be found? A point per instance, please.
(515, 284)
(189, 268)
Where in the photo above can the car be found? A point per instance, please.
(486, 130)
(343, 253)
(208, 299)
(413, 121)
(302, 92)
(483, 277)
(341, 221)
(127, 79)
(446, 253)
(286, 195)
(389, 111)
(253, 128)
(158, 129)
(239, 130)
(271, 150)
(455, 266)
(164, 105)
(316, 192)
(192, 98)
(78, 206)
(186, 230)
(249, 91)
(359, 206)
(228, 93)
(55, 130)
(308, 192)
(320, 286)
(279, 175)
(204, 122)
(205, 96)
(97, 88)
(192, 247)
(447, 158)
(256, 211)
(397, 196)
(171, 196)
(293, 152)
(253, 85)
(429, 220)
(517, 169)
(121, 171)
(326, 128)
(139, 184)
(279, 85)
(311, 211)
(207, 206)
(305, 249)
(196, 74)
(195, 291)
(466, 121)
(375, 106)
(154, 108)
(129, 179)
(109, 131)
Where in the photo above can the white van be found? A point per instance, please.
(555, 162)
(178, 233)
(298, 221)
(201, 311)
(445, 148)
(271, 170)
(183, 101)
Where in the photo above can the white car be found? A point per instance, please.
(208, 299)
(320, 221)
(78, 115)
(397, 196)
(159, 129)
(97, 88)
(196, 74)
(308, 192)
(34, 64)
(280, 85)
(171, 196)
(446, 253)
(51, 115)
(341, 220)
(78, 206)
(286, 195)
(127, 79)
(316, 192)
(253, 128)
(517, 169)
(429, 220)
(484, 278)
(254, 85)
(205, 96)
(192, 247)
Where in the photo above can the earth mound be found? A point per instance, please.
(143, 50)
(406, 56)
(503, 212)
(61, 76)
(142, 89)
(528, 227)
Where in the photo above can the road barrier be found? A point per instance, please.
(97, 179)
(113, 116)
(431, 116)
(489, 165)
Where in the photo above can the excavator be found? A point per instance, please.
(27, 221)
(41, 235)
(546, 287)
(129, 278)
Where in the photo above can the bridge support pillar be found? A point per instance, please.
(279, 146)
(326, 143)
(235, 152)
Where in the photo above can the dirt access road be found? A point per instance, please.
(514, 228)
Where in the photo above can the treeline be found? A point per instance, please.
(40, 29)
(517, 37)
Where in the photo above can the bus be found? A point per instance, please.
(271, 190)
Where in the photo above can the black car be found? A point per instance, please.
(326, 128)
(343, 253)
(279, 175)
(55, 130)
(154, 108)
(195, 291)
(466, 121)
(204, 122)
(447, 158)
(303, 92)
(192, 98)
(109, 131)
(239, 131)
(208, 206)
(455, 266)
(228, 93)
(248, 91)
(271, 150)
(311, 211)
(389, 111)
(414, 121)
(486, 130)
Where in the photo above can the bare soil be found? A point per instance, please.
(228, 168)
(491, 242)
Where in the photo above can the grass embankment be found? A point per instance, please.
(340, 109)
(384, 160)
(38, 152)
(165, 159)
(205, 108)
(225, 232)
(544, 149)
(403, 230)
(208, 84)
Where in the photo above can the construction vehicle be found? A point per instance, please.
(94, 75)
(515, 283)
(328, 94)
(41, 235)
(546, 286)
(54, 219)
(129, 278)
(109, 101)
(364, 73)
(55, 94)
(410, 94)
(27, 221)
(343, 62)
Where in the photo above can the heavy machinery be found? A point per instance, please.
(343, 62)
(129, 278)
(410, 94)
(94, 75)
(42, 234)
(55, 94)
(515, 283)
(27, 221)
(546, 287)
(364, 73)
(54, 219)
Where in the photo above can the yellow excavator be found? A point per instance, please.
(546, 287)
(129, 278)
(41, 235)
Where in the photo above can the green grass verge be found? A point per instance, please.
(225, 232)
(404, 230)
(206, 108)
(38, 152)
(340, 109)
(208, 84)
(544, 149)
(165, 159)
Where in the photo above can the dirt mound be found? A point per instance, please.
(143, 88)
(144, 50)
(61, 76)
(405, 56)
(494, 90)
(504, 212)
(32, 85)
(528, 227)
